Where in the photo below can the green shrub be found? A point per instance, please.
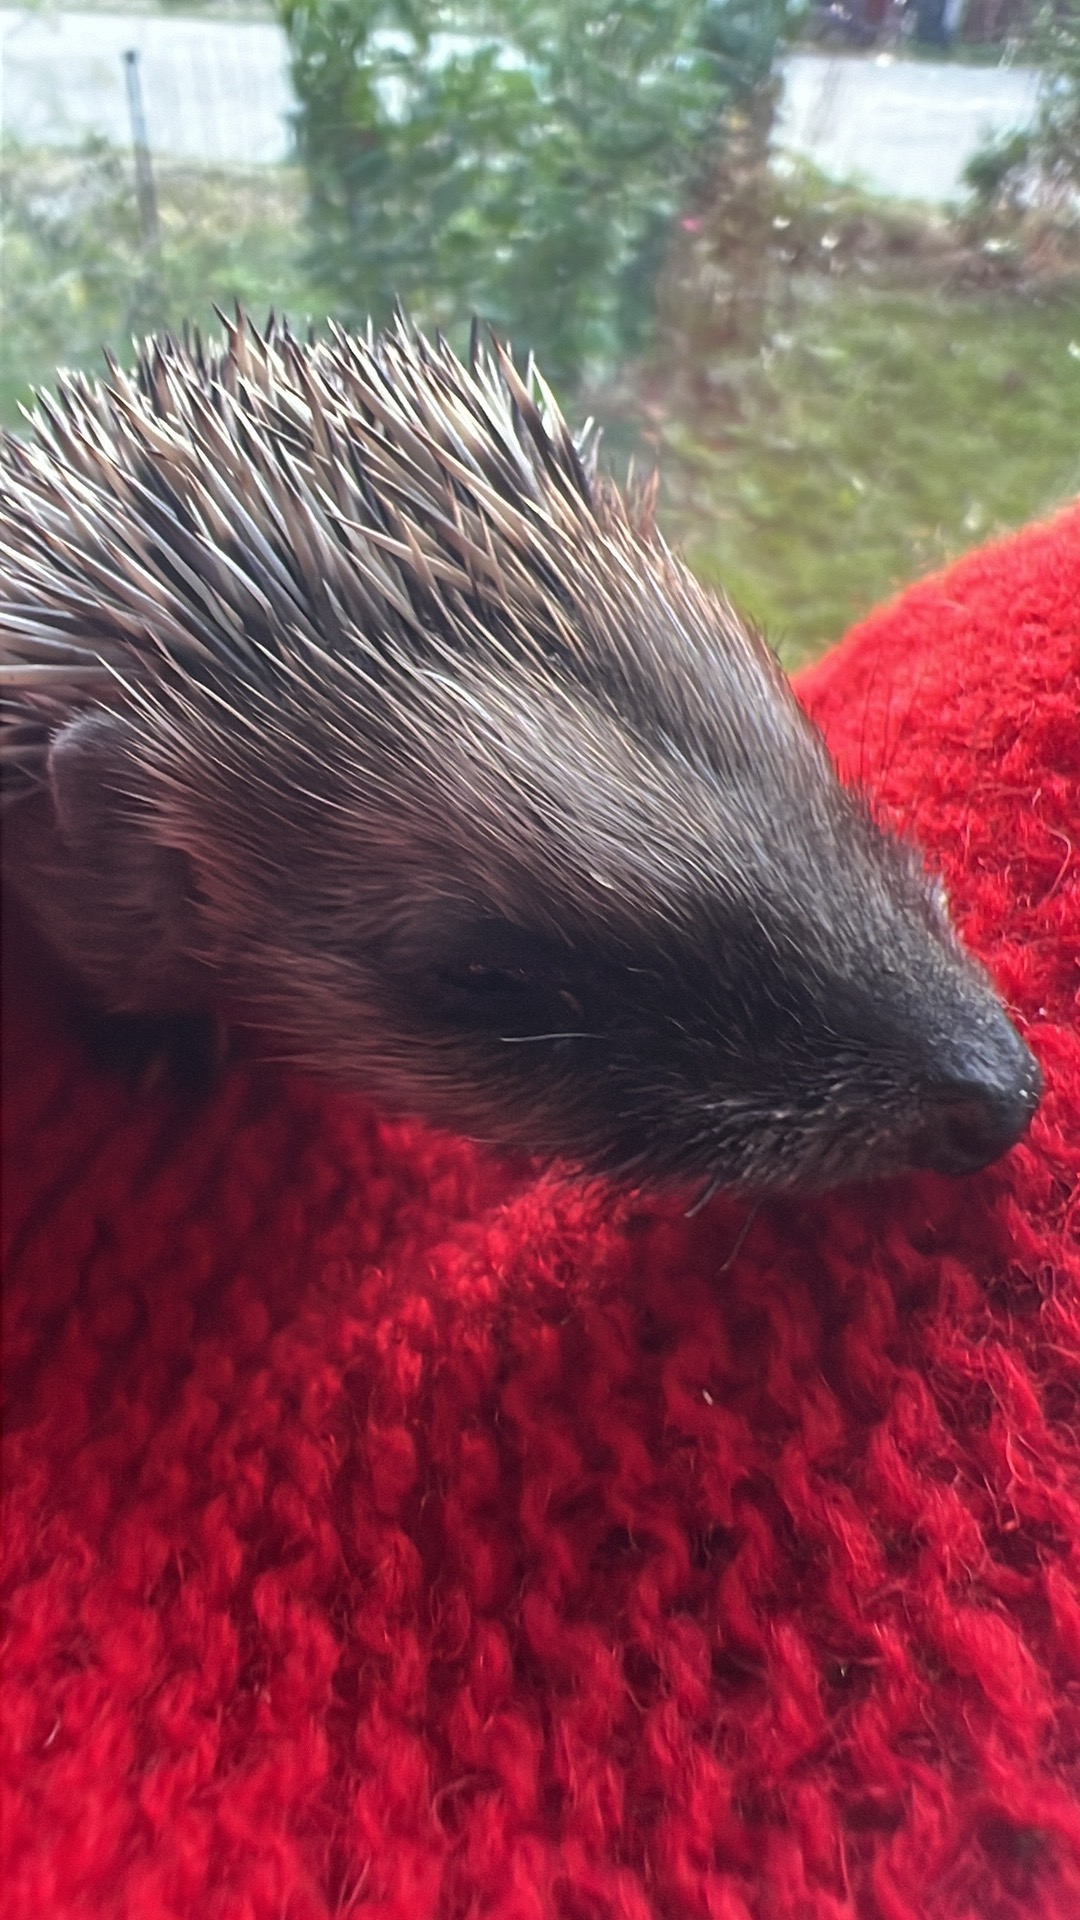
(520, 159)
(1042, 164)
(1057, 132)
(997, 165)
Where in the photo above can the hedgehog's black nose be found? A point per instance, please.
(969, 1122)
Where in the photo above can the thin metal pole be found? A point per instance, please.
(145, 190)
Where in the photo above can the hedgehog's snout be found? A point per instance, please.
(980, 1108)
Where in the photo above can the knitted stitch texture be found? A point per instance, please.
(397, 1533)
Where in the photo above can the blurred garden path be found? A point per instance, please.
(901, 127)
(218, 91)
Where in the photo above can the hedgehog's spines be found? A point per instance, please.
(229, 504)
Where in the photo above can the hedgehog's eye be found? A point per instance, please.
(500, 978)
(476, 978)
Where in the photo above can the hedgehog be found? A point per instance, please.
(346, 698)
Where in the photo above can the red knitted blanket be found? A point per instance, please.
(397, 1534)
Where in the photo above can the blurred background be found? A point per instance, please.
(820, 262)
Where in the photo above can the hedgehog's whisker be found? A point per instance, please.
(526, 1039)
(710, 1188)
(752, 1213)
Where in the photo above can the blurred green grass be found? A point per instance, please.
(75, 276)
(882, 431)
(887, 432)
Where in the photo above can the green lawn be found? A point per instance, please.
(883, 432)
(890, 432)
(75, 277)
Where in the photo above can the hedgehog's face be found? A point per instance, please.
(614, 905)
(792, 1011)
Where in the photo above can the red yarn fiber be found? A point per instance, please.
(395, 1533)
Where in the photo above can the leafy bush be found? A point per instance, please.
(1057, 133)
(522, 159)
(742, 35)
(1042, 165)
(997, 165)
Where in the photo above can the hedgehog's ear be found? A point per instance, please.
(88, 768)
(118, 906)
